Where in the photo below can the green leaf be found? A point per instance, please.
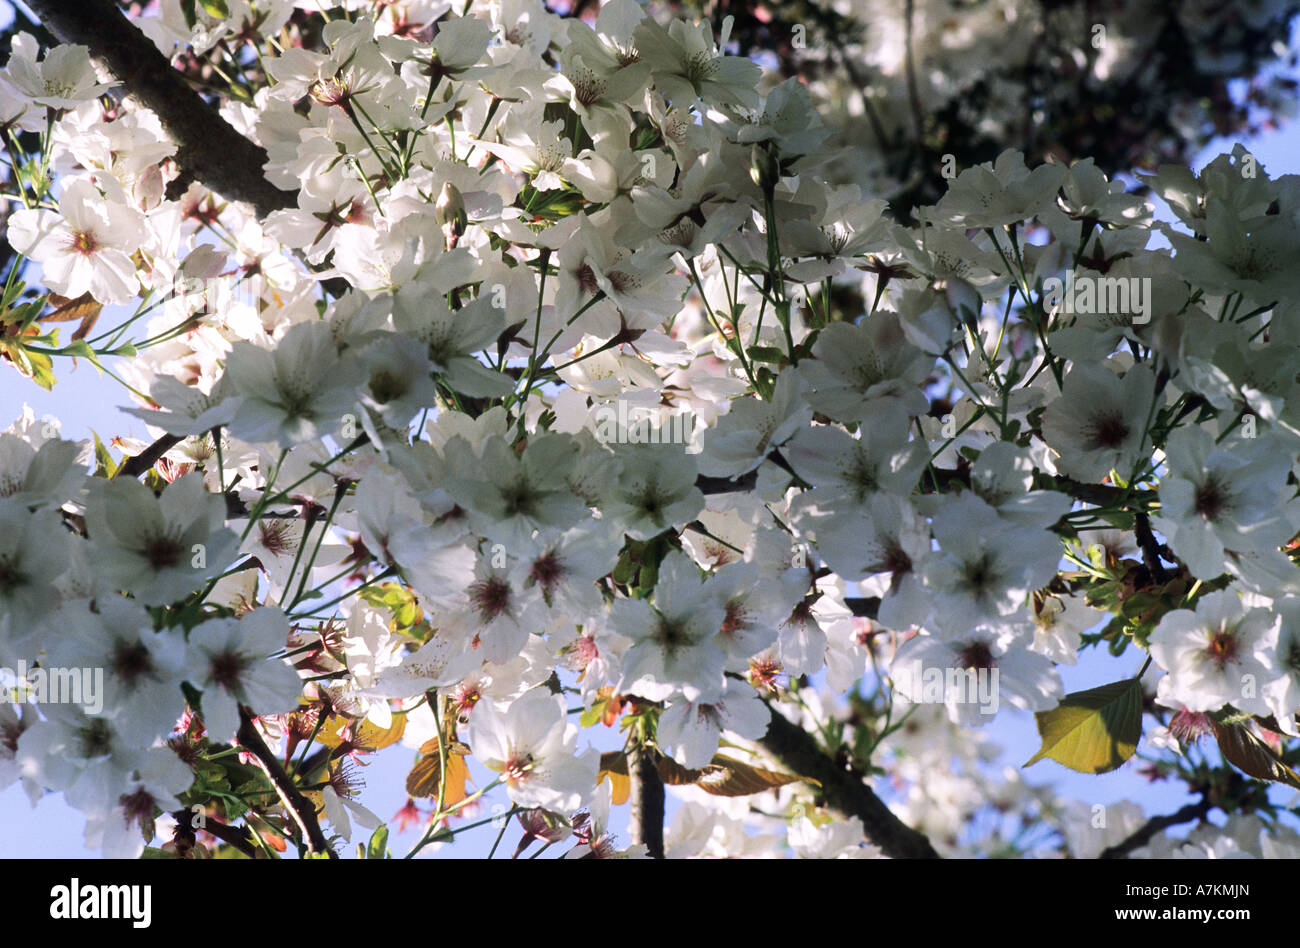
(1092, 731)
(79, 347)
(766, 354)
(215, 8)
(1244, 750)
(627, 563)
(42, 367)
(377, 848)
(105, 466)
(233, 805)
(648, 576)
(187, 10)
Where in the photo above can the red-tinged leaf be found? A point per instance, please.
(1242, 748)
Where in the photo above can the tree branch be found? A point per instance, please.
(845, 790)
(866, 607)
(236, 836)
(1150, 548)
(137, 464)
(1193, 811)
(726, 485)
(208, 147)
(299, 807)
(1100, 495)
(646, 801)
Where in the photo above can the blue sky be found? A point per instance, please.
(85, 400)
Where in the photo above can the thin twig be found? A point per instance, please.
(1158, 824)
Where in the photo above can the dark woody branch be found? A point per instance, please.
(646, 800)
(208, 147)
(844, 790)
(299, 807)
(1191, 812)
(238, 837)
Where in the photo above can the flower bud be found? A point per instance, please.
(763, 169)
(450, 210)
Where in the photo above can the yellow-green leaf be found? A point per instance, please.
(1242, 748)
(1092, 731)
(366, 734)
(614, 766)
(377, 848)
(105, 465)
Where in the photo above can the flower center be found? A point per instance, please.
(1222, 648)
(163, 552)
(1212, 499)
(275, 536)
(671, 634)
(588, 88)
(84, 243)
(587, 279)
(517, 767)
(735, 619)
(976, 655)
(11, 577)
(980, 574)
(765, 673)
(131, 660)
(386, 386)
(137, 807)
(333, 91)
(95, 739)
(1109, 430)
(464, 698)
(491, 597)
(547, 571)
(583, 652)
(226, 669)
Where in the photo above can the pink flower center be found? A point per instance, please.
(491, 597)
(84, 243)
(516, 769)
(976, 655)
(1222, 648)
